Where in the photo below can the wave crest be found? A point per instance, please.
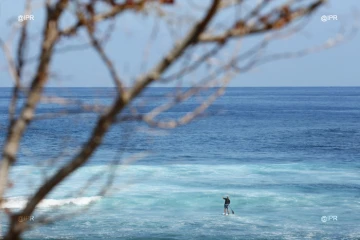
(20, 202)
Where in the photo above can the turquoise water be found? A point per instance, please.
(288, 158)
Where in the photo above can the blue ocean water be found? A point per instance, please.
(289, 158)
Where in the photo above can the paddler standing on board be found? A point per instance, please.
(226, 205)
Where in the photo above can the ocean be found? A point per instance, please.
(289, 158)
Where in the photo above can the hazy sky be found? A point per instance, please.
(338, 66)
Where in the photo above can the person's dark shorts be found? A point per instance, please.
(226, 206)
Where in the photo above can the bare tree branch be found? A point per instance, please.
(115, 10)
(201, 41)
(187, 118)
(19, 126)
(283, 17)
(97, 45)
(190, 39)
(109, 118)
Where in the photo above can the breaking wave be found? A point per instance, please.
(20, 202)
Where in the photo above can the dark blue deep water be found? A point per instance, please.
(289, 158)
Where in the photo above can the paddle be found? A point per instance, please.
(232, 210)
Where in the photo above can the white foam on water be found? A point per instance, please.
(275, 200)
(20, 202)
